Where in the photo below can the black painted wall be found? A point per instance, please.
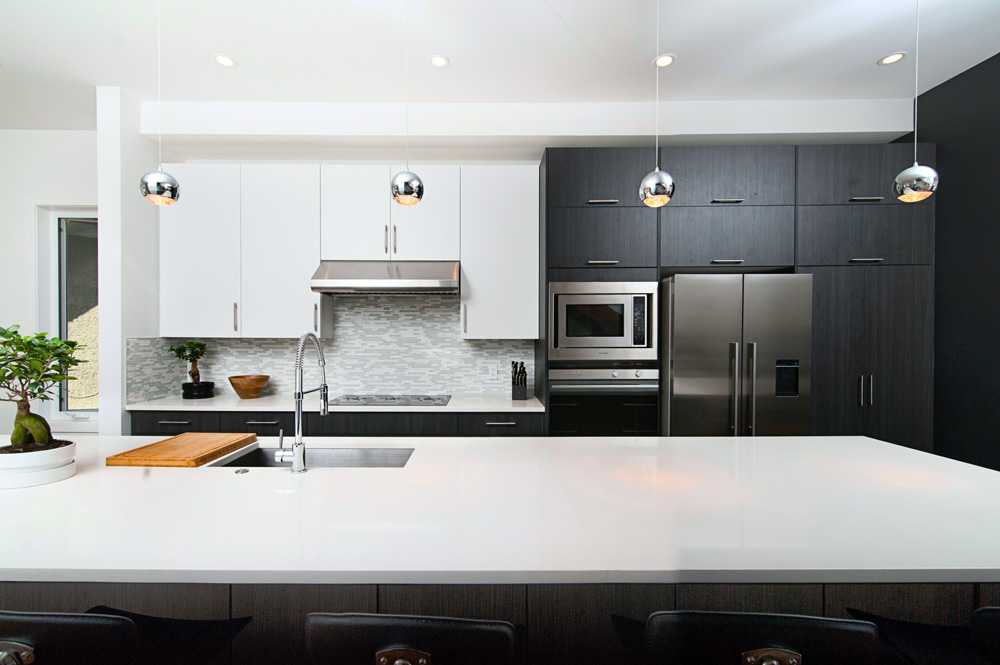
(960, 116)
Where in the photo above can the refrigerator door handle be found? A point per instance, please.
(753, 388)
(735, 346)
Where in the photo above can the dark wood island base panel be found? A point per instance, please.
(562, 622)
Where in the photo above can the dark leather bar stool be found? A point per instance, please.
(66, 639)
(163, 641)
(710, 638)
(924, 644)
(386, 639)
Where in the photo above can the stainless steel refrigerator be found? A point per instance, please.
(737, 348)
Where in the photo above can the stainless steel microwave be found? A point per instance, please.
(602, 320)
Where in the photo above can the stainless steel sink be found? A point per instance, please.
(328, 457)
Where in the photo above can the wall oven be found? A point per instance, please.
(602, 321)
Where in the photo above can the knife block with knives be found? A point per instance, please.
(518, 380)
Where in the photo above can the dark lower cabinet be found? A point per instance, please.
(603, 415)
(171, 423)
(601, 238)
(267, 423)
(501, 424)
(262, 423)
(728, 237)
(381, 424)
(873, 371)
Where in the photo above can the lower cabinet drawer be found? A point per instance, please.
(381, 424)
(501, 424)
(169, 423)
(603, 415)
(256, 422)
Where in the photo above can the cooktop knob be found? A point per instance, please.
(638, 372)
(614, 373)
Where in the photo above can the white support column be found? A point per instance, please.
(128, 247)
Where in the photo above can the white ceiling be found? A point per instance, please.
(53, 52)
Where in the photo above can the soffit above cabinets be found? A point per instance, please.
(53, 52)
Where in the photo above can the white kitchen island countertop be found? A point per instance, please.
(460, 403)
(520, 510)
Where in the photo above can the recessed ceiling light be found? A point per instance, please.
(892, 59)
(439, 61)
(225, 60)
(664, 60)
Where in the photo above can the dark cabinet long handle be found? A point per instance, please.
(728, 261)
(174, 422)
(736, 387)
(866, 199)
(602, 263)
(861, 390)
(728, 200)
(753, 388)
(598, 202)
(871, 390)
(262, 422)
(871, 260)
(500, 424)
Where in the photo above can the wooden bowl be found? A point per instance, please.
(249, 386)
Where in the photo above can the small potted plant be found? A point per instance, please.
(30, 366)
(196, 388)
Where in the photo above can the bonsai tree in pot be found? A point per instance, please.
(30, 365)
(192, 352)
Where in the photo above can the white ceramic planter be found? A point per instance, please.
(37, 468)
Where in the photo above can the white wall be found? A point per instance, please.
(48, 168)
(128, 247)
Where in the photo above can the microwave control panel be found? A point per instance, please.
(639, 321)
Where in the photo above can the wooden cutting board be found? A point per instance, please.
(188, 449)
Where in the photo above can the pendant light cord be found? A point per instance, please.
(916, 81)
(159, 96)
(406, 79)
(656, 102)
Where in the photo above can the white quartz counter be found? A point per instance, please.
(520, 510)
(230, 402)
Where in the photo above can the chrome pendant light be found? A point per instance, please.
(917, 182)
(406, 187)
(159, 187)
(657, 187)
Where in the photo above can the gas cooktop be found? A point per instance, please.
(391, 400)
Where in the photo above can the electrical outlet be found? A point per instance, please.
(494, 372)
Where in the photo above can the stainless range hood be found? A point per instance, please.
(395, 277)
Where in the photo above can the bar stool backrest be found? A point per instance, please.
(682, 638)
(367, 639)
(66, 639)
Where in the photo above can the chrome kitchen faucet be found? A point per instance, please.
(297, 455)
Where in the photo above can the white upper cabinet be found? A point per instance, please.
(500, 259)
(280, 249)
(355, 213)
(200, 253)
(428, 231)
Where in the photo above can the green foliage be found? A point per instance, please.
(190, 352)
(30, 365)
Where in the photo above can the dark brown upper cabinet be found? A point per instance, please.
(743, 175)
(856, 174)
(596, 177)
(727, 237)
(865, 235)
(601, 238)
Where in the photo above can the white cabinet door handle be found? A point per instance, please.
(235, 326)
(315, 317)
(465, 319)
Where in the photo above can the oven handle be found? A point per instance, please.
(604, 388)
